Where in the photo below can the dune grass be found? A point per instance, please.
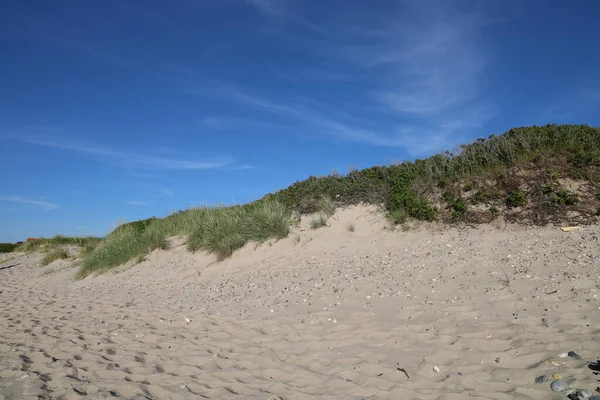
(55, 254)
(46, 245)
(217, 230)
(223, 230)
(122, 245)
(317, 222)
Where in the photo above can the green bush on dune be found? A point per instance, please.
(404, 188)
(8, 247)
(407, 190)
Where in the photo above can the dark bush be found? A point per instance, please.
(515, 199)
(8, 247)
(564, 197)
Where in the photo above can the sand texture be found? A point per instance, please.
(430, 313)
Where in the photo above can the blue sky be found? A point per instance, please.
(124, 109)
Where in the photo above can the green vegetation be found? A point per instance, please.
(548, 188)
(407, 189)
(56, 254)
(45, 245)
(123, 244)
(326, 206)
(517, 174)
(516, 198)
(8, 247)
(219, 230)
(564, 197)
(318, 222)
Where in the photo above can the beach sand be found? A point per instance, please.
(428, 313)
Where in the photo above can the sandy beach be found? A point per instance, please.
(427, 313)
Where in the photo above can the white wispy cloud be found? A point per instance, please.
(128, 159)
(422, 62)
(167, 192)
(236, 123)
(268, 7)
(138, 203)
(27, 202)
(243, 167)
(144, 175)
(417, 141)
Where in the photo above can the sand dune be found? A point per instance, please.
(431, 313)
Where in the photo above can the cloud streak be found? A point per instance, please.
(416, 140)
(421, 64)
(138, 203)
(31, 203)
(128, 159)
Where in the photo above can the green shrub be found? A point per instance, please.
(548, 188)
(8, 247)
(480, 196)
(494, 210)
(408, 203)
(56, 254)
(552, 174)
(468, 187)
(598, 196)
(448, 197)
(516, 198)
(564, 197)
(460, 205)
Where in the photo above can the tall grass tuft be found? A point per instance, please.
(318, 222)
(223, 230)
(123, 245)
(219, 230)
(326, 205)
(55, 254)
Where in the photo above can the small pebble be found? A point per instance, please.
(583, 394)
(557, 386)
(541, 379)
(574, 355)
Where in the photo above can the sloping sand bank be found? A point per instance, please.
(430, 313)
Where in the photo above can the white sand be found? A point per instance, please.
(331, 316)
